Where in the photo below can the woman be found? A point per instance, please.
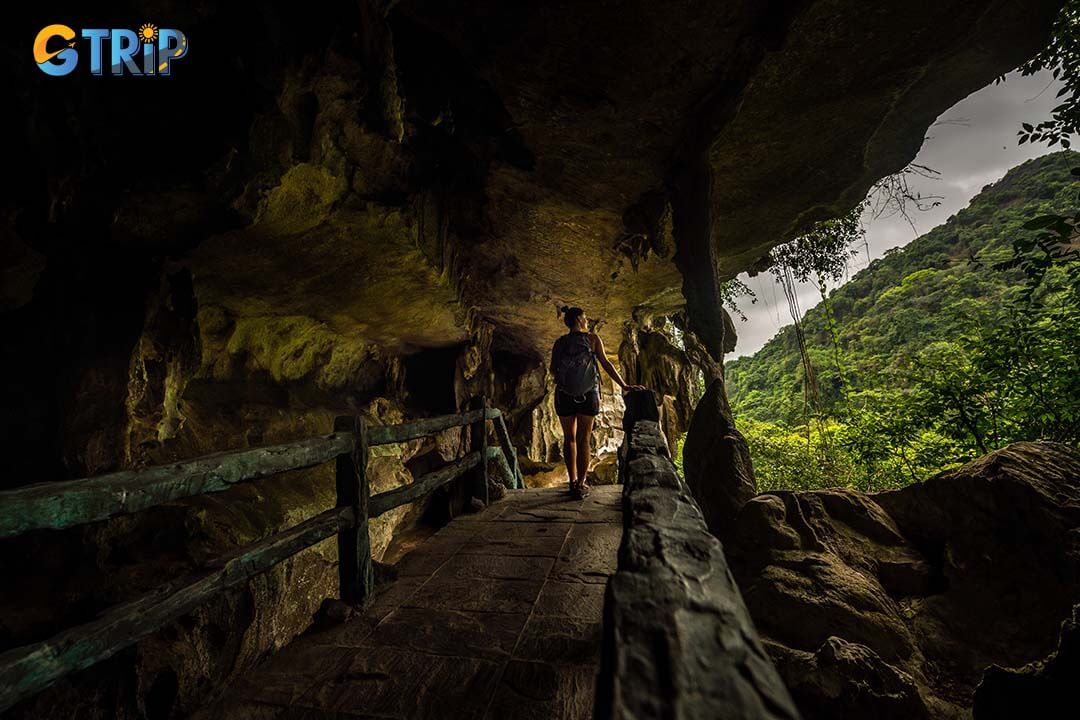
(577, 392)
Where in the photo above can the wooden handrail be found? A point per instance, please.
(386, 434)
(57, 505)
(384, 502)
(29, 669)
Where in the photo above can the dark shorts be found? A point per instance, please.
(567, 405)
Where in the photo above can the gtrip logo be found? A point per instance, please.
(149, 51)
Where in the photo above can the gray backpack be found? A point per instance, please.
(574, 363)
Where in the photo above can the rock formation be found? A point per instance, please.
(1045, 688)
(655, 355)
(716, 462)
(893, 605)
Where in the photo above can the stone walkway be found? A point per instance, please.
(498, 615)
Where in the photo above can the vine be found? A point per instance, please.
(731, 291)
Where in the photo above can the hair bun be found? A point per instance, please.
(564, 309)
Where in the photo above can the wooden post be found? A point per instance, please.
(478, 443)
(502, 435)
(355, 576)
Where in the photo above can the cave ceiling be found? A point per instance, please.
(428, 165)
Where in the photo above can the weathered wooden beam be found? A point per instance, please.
(356, 579)
(509, 451)
(495, 453)
(64, 504)
(31, 668)
(385, 434)
(478, 443)
(422, 486)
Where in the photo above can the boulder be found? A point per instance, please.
(848, 680)
(716, 461)
(894, 604)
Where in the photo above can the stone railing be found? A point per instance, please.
(678, 640)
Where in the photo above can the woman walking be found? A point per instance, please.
(574, 360)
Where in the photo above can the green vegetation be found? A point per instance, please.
(1062, 58)
(963, 341)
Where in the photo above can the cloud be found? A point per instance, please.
(971, 145)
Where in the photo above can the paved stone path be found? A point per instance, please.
(498, 615)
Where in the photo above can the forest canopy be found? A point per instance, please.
(961, 342)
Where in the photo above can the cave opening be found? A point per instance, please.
(371, 210)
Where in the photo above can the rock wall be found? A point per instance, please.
(653, 354)
(893, 605)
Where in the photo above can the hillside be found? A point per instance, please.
(916, 301)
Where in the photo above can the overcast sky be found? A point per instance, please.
(971, 145)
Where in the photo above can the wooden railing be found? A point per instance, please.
(29, 669)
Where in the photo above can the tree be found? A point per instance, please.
(936, 353)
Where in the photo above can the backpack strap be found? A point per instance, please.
(593, 337)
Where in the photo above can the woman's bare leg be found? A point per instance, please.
(584, 449)
(569, 448)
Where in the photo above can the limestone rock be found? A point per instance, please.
(332, 612)
(605, 472)
(651, 356)
(717, 462)
(496, 488)
(848, 680)
(731, 333)
(894, 604)
(1045, 688)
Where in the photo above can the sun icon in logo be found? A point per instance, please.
(148, 33)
